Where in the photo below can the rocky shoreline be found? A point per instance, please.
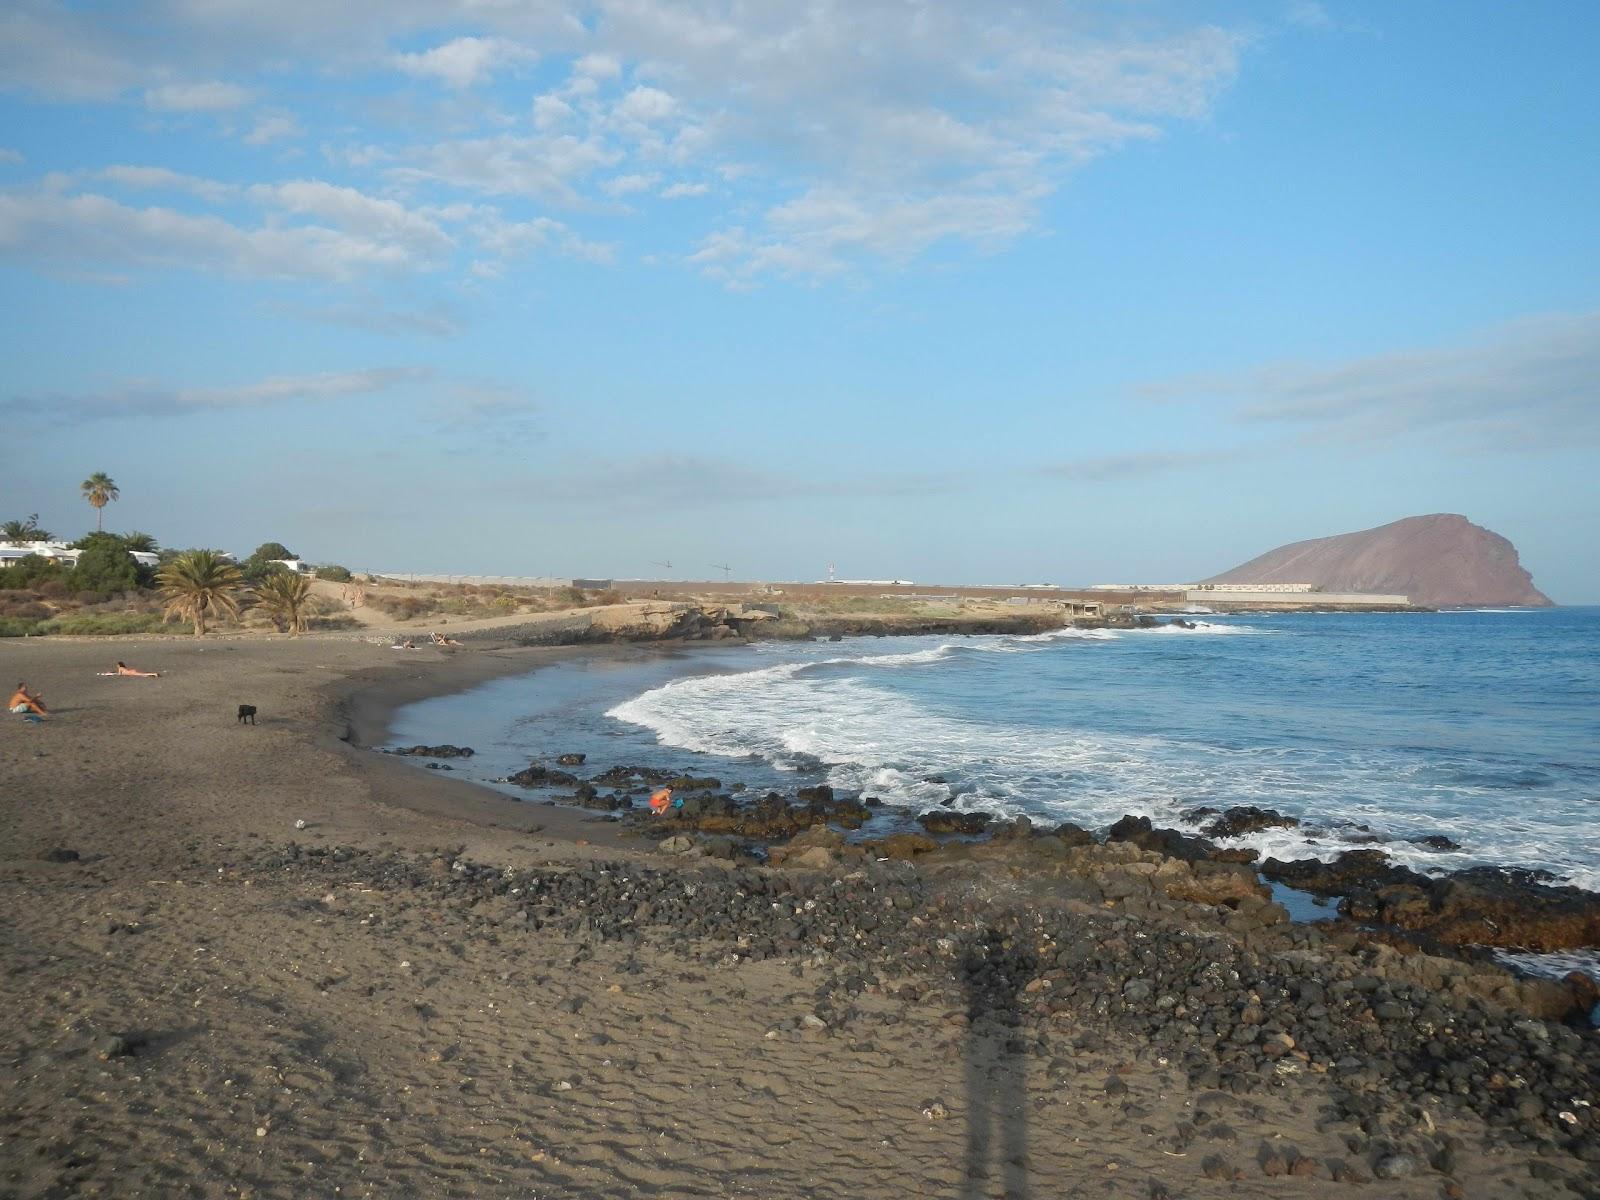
(1460, 914)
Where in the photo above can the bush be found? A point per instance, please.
(88, 598)
(573, 597)
(101, 624)
(334, 621)
(16, 627)
(31, 570)
(26, 610)
(334, 573)
(53, 589)
(104, 565)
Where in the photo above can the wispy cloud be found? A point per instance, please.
(1526, 386)
(210, 96)
(464, 61)
(148, 401)
(1116, 467)
(952, 127)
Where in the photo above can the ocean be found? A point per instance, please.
(1372, 729)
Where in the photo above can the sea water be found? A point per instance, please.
(1371, 729)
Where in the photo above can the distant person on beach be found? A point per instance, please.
(661, 801)
(24, 701)
(124, 669)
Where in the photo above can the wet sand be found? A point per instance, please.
(205, 1001)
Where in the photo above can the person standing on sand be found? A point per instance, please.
(24, 701)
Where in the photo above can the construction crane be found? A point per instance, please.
(727, 571)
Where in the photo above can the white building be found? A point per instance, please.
(11, 553)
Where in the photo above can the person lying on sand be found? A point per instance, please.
(24, 701)
(124, 669)
(408, 644)
(439, 639)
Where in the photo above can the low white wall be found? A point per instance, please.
(1304, 598)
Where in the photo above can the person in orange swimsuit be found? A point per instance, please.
(661, 801)
(124, 669)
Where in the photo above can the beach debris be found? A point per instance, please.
(300, 824)
(935, 1110)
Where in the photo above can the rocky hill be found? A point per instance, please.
(1441, 560)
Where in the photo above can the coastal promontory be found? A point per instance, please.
(1441, 560)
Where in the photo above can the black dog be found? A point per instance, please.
(247, 712)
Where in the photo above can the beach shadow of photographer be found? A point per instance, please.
(993, 975)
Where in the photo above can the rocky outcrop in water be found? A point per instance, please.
(1441, 560)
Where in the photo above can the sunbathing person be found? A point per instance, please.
(124, 669)
(24, 701)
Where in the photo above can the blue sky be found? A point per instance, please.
(953, 292)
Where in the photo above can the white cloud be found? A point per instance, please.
(846, 132)
(48, 226)
(545, 167)
(627, 185)
(213, 96)
(598, 66)
(465, 61)
(646, 105)
(679, 190)
(345, 208)
(163, 179)
(272, 127)
(9, 156)
(550, 111)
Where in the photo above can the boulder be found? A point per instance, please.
(944, 820)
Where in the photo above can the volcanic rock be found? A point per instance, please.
(444, 751)
(1441, 560)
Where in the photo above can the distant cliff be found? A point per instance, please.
(1441, 560)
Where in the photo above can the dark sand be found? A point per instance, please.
(289, 1028)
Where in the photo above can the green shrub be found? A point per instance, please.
(104, 565)
(334, 621)
(334, 573)
(30, 571)
(16, 626)
(101, 624)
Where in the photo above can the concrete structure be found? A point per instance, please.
(1141, 587)
(1299, 599)
(1252, 587)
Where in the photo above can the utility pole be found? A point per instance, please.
(727, 571)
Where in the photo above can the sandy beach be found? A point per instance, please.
(435, 990)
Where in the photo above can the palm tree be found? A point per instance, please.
(144, 542)
(198, 583)
(99, 490)
(24, 531)
(286, 596)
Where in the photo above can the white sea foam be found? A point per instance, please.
(831, 709)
